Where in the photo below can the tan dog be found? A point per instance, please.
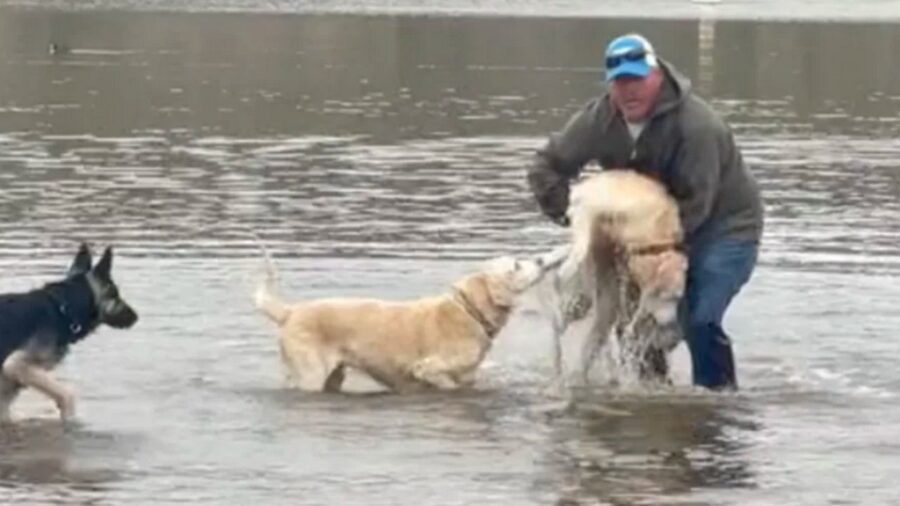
(625, 259)
(433, 342)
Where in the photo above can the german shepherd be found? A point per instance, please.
(37, 327)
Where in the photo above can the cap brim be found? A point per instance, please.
(631, 68)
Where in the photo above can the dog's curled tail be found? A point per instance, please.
(266, 298)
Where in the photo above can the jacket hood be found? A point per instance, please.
(675, 89)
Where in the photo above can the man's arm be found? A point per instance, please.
(560, 160)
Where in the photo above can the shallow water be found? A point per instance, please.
(385, 156)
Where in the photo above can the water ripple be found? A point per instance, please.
(829, 199)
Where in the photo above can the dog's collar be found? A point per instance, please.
(72, 325)
(655, 249)
(463, 300)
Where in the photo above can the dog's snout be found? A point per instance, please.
(119, 315)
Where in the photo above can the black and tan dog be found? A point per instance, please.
(37, 327)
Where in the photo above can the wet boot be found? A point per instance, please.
(713, 361)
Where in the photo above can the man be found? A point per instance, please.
(650, 121)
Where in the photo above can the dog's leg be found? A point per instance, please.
(312, 369)
(467, 378)
(589, 352)
(606, 289)
(446, 369)
(9, 390)
(558, 329)
(17, 368)
(436, 372)
(452, 369)
(335, 380)
(598, 338)
(571, 302)
(557, 385)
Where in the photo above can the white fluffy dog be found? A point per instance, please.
(624, 267)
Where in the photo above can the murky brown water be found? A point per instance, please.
(385, 156)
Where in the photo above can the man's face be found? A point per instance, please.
(635, 96)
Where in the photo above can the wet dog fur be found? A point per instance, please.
(624, 266)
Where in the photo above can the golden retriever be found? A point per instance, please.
(434, 342)
(624, 263)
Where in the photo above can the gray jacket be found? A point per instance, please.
(685, 144)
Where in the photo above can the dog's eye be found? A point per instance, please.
(517, 265)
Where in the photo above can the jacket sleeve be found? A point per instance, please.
(698, 171)
(560, 160)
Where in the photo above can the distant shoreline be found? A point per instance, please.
(747, 10)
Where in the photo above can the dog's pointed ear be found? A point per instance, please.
(82, 261)
(103, 269)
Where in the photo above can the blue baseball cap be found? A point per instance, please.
(629, 55)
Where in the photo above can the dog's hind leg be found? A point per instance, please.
(571, 303)
(606, 308)
(589, 352)
(9, 390)
(557, 350)
(557, 384)
(335, 380)
(17, 368)
(312, 370)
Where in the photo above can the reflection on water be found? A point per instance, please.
(643, 448)
(384, 156)
(44, 461)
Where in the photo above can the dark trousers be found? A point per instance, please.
(717, 271)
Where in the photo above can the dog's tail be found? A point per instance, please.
(265, 297)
